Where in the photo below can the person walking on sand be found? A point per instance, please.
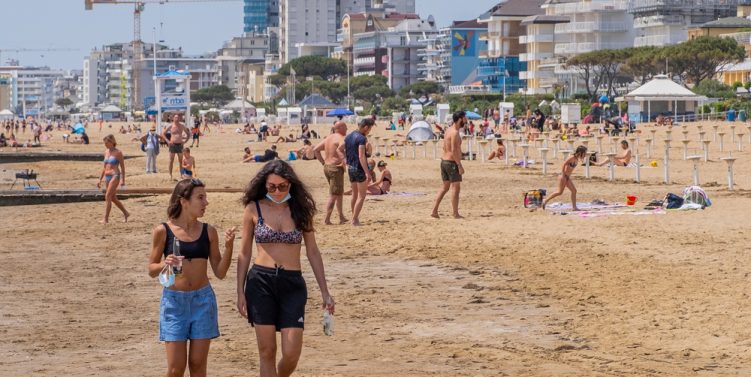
(272, 294)
(188, 317)
(357, 165)
(451, 165)
(113, 173)
(179, 134)
(565, 180)
(333, 169)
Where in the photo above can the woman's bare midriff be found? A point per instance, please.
(193, 277)
(274, 255)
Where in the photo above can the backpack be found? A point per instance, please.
(534, 198)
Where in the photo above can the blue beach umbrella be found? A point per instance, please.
(339, 113)
(473, 115)
(79, 128)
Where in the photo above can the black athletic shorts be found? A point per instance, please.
(450, 171)
(356, 175)
(276, 297)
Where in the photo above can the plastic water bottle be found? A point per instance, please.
(328, 323)
(177, 268)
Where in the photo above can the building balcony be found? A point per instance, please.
(591, 27)
(536, 75)
(472, 89)
(532, 56)
(488, 35)
(591, 7)
(488, 71)
(369, 61)
(537, 38)
(584, 47)
(364, 73)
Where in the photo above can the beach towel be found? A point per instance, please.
(595, 205)
(406, 194)
(621, 212)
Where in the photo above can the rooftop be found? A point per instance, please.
(729, 22)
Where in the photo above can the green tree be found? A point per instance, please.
(714, 89)
(422, 88)
(701, 58)
(320, 66)
(394, 105)
(63, 102)
(643, 63)
(218, 95)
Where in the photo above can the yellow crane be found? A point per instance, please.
(139, 6)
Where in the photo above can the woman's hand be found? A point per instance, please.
(172, 260)
(242, 306)
(328, 303)
(229, 236)
(99, 184)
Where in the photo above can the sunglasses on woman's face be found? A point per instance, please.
(282, 187)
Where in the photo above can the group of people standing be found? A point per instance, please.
(271, 292)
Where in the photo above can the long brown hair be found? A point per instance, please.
(183, 190)
(301, 205)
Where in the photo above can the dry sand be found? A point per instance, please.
(504, 292)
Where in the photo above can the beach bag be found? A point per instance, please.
(534, 198)
(291, 156)
(695, 195)
(673, 201)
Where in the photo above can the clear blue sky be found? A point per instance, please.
(196, 27)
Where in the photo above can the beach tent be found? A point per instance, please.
(420, 131)
(79, 128)
(660, 95)
(6, 114)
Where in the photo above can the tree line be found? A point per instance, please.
(690, 62)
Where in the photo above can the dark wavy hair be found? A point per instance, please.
(301, 205)
(183, 190)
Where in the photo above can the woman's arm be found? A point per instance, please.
(158, 238)
(122, 168)
(316, 264)
(243, 258)
(220, 263)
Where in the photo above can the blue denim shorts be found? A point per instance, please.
(188, 315)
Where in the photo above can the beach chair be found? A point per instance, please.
(27, 175)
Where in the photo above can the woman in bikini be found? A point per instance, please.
(278, 216)
(113, 173)
(383, 185)
(188, 317)
(565, 181)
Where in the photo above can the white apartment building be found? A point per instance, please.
(305, 22)
(436, 56)
(33, 88)
(366, 6)
(593, 25)
(393, 53)
(272, 65)
(539, 55)
(666, 22)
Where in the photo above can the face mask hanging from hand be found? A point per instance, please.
(167, 277)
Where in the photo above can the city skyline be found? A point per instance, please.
(197, 28)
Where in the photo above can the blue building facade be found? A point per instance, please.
(259, 15)
(502, 73)
(466, 48)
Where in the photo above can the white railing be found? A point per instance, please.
(532, 75)
(591, 26)
(363, 61)
(588, 7)
(536, 38)
(532, 56)
(469, 89)
(652, 40)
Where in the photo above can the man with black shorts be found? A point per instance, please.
(178, 135)
(357, 165)
(451, 165)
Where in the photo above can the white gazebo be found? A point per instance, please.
(660, 95)
(6, 114)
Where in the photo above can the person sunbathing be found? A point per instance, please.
(499, 152)
(289, 139)
(383, 185)
(620, 160)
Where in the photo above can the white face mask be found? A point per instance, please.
(286, 198)
(167, 277)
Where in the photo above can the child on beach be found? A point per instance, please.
(565, 181)
(188, 164)
(188, 310)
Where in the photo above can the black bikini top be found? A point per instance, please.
(189, 249)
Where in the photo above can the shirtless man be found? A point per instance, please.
(179, 134)
(451, 165)
(620, 160)
(333, 168)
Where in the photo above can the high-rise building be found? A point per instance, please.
(344, 7)
(32, 88)
(392, 53)
(500, 67)
(452, 56)
(539, 56)
(260, 15)
(305, 22)
(666, 22)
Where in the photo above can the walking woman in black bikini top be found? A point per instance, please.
(272, 293)
(565, 180)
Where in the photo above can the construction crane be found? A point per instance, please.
(2, 50)
(139, 6)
